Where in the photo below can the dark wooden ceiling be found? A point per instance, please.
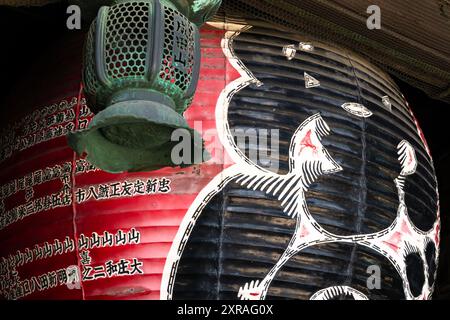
(413, 42)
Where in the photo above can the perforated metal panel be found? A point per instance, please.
(126, 40)
(178, 56)
(141, 44)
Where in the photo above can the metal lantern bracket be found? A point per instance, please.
(141, 70)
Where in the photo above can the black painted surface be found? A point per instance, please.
(227, 250)
(415, 273)
(241, 233)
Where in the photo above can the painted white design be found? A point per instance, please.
(332, 292)
(407, 158)
(357, 109)
(310, 81)
(387, 102)
(306, 46)
(73, 277)
(289, 51)
(308, 159)
(394, 243)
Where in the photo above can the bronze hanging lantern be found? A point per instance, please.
(141, 68)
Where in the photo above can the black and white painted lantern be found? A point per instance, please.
(352, 212)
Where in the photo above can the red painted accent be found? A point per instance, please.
(392, 246)
(410, 157)
(437, 237)
(395, 241)
(404, 227)
(304, 232)
(307, 143)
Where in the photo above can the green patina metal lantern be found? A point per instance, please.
(141, 68)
